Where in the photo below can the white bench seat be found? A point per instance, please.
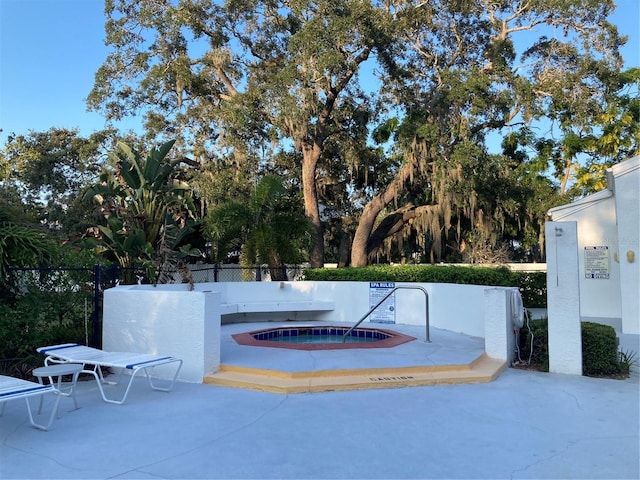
(266, 307)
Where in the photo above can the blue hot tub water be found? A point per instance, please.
(320, 335)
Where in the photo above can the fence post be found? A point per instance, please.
(215, 272)
(258, 274)
(95, 327)
(114, 274)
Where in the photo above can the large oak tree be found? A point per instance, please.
(243, 81)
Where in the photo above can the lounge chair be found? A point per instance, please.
(94, 360)
(13, 388)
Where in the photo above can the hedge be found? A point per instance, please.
(599, 350)
(600, 355)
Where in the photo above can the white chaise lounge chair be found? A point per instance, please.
(14, 388)
(94, 360)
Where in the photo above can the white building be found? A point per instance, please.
(593, 247)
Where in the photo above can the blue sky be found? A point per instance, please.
(50, 50)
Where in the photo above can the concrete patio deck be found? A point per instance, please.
(521, 425)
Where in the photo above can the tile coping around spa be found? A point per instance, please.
(388, 338)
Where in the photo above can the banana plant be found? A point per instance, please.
(139, 198)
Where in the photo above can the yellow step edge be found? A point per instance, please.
(483, 369)
(343, 372)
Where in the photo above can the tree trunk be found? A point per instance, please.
(361, 246)
(359, 251)
(344, 253)
(565, 178)
(394, 223)
(310, 157)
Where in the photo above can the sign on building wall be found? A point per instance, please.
(596, 262)
(386, 312)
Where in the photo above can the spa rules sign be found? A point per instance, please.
(386, 311)
(596, 262)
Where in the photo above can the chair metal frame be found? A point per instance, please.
(95, 360)
(12, 388)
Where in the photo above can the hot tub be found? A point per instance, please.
(309, 337)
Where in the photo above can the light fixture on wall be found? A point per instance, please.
(558, 231)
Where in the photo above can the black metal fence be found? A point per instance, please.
(203, 273)
(92, 281)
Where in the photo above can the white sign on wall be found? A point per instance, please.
(596, 262)
(386, 312)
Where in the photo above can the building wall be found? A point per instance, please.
(608, 220)
(595, 217)
(627, 188)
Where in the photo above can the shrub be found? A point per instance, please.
(41, 317)
(599, 350)
(627, 360)
(600, 356)
(535, 334)
(500, 276)
(533, 287)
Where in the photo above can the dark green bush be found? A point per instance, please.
(500, 276)
(600, 356)
(533, 287)
(599, 350)
(536, 331)
(40, 318)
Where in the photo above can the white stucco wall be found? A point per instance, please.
(563, 298)
(595, 218)
(352, 302)
(500, 338)
(626, 177)
(171, 320)
(164, 321)
(610, 218)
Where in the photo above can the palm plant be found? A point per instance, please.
(144, 205)
(20, 245)
(269, 228)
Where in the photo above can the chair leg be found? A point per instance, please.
(70, 387)
(172, 382)
(72, 394)
(52, 416)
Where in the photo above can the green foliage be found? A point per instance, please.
(600, 355)
(318, 80)
(500, 276)
(534, 343)
(533, 288)
(147, 209)
(50, 169)
(599, 350)
(627, 359)
(269, 227)
(22, 246)
(43, 306)
(52, 307)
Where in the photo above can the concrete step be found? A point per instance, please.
(482, 369)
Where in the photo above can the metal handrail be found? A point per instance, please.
(408, 287)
